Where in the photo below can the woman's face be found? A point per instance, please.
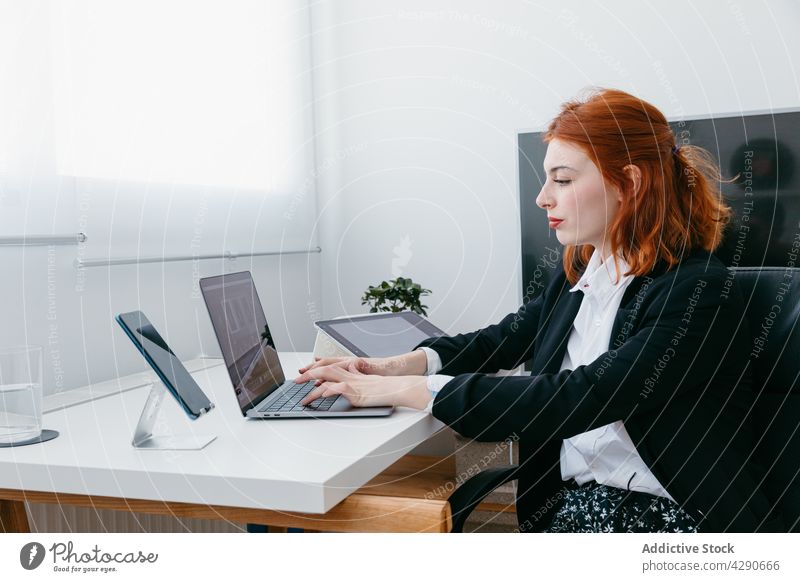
(576, 194)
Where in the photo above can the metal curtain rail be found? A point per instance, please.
(83, 263)
(29, 240)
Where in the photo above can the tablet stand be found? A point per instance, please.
(143, 437)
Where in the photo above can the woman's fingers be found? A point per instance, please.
(313, 395)
(309, 366)
(324, 373)
(324, 390)
(358, 389)
(318, 362)
(356, 365)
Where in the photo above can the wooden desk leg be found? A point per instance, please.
(13, 518)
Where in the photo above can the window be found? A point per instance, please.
(186, 92)
(120, 107)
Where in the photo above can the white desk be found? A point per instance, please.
(302, 465)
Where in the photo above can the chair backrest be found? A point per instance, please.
(772, 295)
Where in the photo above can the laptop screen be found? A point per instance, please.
(244, 337)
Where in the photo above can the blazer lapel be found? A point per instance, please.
(554, 341)
(550, 353)
(628, 313)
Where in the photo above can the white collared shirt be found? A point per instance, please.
(606, 454)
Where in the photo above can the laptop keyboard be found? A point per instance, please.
(289, 400)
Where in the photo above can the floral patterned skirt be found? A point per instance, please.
(592, 507)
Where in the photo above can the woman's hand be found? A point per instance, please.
(411, 364)
(365, 389)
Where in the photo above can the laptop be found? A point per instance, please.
(251, 357)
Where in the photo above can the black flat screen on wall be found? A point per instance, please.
(762, 149)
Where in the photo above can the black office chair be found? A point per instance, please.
(776, 416)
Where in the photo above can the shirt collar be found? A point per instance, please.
(600, 278)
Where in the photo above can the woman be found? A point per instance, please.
(634, 417)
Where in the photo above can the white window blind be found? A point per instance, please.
(188, 92)
(104, 98)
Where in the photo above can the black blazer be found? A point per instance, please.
(676, 373)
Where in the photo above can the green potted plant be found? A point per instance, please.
(396, 295)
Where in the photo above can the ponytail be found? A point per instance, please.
(704, 213)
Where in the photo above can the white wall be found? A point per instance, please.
(421, 102)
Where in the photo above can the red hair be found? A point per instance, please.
(678, 206)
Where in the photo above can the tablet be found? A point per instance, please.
(165, 363)
(381, 334)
